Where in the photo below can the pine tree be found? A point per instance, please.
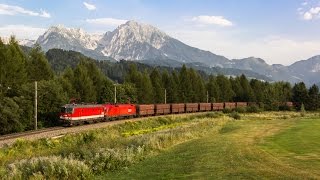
(175, 88)
(224, 84)
(300, 94)
(185, 88)
(145, 90)
(313, 98)
(107, 92)
(2, 67)
(237, 89)
(133, 75)
(37, 66)
(170, 87)
(126, 93)
(13, 70)
(10, 116)
(84, 85)
(197, 86)
(213, 90)
(247, 92)
(157, 86)
(51, 96)
(66, 80)
(96, 76)
(257, 87)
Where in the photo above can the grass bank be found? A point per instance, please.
(85, 155)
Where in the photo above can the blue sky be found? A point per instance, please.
(279, 31)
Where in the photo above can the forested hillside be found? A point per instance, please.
(86, 80)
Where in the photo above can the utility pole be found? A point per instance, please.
(115, 94)
(35, 106)
(165, 96)
(207, 97)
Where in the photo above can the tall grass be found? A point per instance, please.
(53, 167)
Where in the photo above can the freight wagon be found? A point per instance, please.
(178, 108)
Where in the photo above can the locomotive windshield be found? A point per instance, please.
(66, 110)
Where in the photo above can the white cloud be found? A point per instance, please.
(314, 10)
(45, 14)
(89, 6)
(304, 3)
(312, 13)
(14, 10)
(216, 20)
(106, 21)
(21, 31)
(307, 16)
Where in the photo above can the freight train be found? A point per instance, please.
(76, 114)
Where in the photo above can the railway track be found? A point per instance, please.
(27, 133)
(54, 132)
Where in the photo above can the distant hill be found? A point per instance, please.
(61, 59)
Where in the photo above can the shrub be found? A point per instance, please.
(53, 167)
(240, 109)
(285, 108)
(227, 110)
(253, 109)
(235, 115)
(207, 115)
(112, 159)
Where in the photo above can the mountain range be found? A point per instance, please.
(145, 43)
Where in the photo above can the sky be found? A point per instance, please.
(278, 31)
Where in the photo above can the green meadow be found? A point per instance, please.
(260, 146)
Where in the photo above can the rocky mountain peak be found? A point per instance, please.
(62, 37)
(143, 33)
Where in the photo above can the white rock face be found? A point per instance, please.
(57, 36)
(125, 41)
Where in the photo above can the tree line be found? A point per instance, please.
(87, 81)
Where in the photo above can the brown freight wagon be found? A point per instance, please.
(162, 109)
(217, 106)
(145, 110)
(241, 104)
(205, 106)
(178, 108)
(192, 107)
(229, 105)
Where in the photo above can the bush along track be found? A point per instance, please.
(84, 155)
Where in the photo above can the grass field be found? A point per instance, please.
(259, 146)
(267, 145)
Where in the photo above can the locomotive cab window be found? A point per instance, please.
(63, 110)
(66, 110)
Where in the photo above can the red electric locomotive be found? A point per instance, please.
(119, 111)
(76, 114)
(73, 114)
